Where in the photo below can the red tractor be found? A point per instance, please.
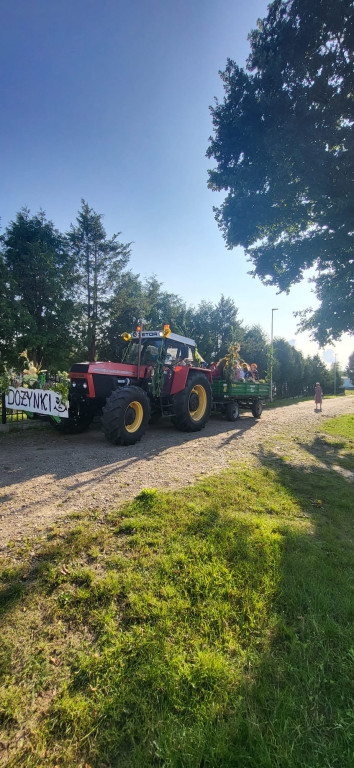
(158, 376)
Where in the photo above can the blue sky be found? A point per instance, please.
(109, 101)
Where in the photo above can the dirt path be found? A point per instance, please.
(46, 476)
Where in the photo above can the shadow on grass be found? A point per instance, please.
(290, 707)
(33, 574)
(297, 710)
(330, 451)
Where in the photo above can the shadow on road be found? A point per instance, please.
(28, 455)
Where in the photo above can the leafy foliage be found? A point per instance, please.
(350, 367)
(294, 375)
(283, 146)
(68, 297)
(37, 280)
(254, 348)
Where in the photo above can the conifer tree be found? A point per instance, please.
(99, 263)
(37, 279)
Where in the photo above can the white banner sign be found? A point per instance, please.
(44, 401)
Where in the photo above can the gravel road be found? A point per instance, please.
(46, 476)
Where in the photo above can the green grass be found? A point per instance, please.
(16, 417)
(210, 628)
(343, 426)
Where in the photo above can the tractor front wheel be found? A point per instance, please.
(192, 405)
(126, 415)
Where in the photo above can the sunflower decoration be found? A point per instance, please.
(30, 374)
(231, 360)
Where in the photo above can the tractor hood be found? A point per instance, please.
(114, 369)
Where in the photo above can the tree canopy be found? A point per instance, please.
(350, 368)
(283, 146)
(63, 297)
(35, 297)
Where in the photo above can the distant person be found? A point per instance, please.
(247, 371)
(318, 395)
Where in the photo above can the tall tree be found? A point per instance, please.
(8, 353)
(283, 146)
(288, 369)
(214, 327)
(200, 327)
(100, 261)
(255, 349)
(125, 309)
(37, 274)
(160, 307)
(350, 368)
(316, 370)
(227, 327)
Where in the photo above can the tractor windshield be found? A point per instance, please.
(149, 351)
(175, 352)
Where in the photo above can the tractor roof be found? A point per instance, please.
(159, 335)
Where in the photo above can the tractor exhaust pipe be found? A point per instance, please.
(140, 328)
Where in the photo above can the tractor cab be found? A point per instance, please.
(169, 348)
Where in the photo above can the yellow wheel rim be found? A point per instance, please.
(138, 416)
(202, 397)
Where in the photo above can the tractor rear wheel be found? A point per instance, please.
(192, 405)
(257, 408)
(232, 411)
(126, 415)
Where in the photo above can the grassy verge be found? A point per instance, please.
(211, 628)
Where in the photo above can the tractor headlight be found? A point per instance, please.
(73, 383)
(84, 386)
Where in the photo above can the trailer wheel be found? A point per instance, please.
(232, 411)
(192, 406)
(257, 408)
(126, 415)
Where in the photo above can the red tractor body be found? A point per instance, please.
(158, 376)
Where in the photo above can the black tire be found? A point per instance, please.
(192, 406)
(232, 411)
(80, 418)
(72, 426)
(126, 416)
(155, 416)
(257, 409)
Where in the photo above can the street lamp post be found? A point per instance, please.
(275, 309)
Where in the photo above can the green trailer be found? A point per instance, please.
(229, 398)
